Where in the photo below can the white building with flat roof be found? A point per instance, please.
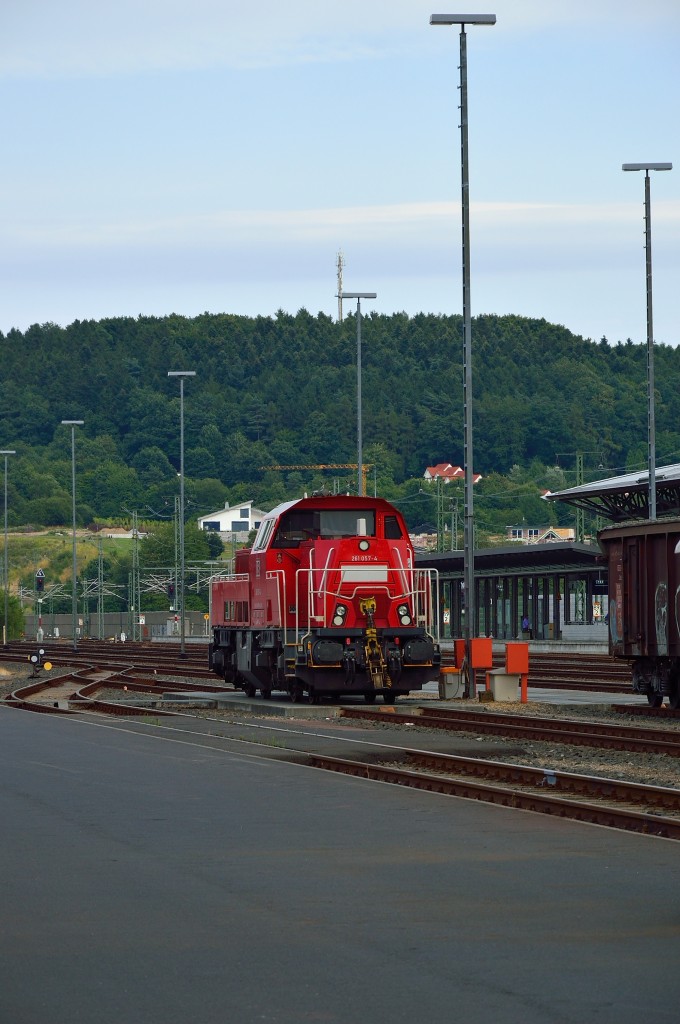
(233, 521)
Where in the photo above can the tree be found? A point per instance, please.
(200, 462)
(205, 495)
(15, 618)
(109, 488)
(152, 466)
(283, 390)
(159, 548)
(52, 511)
(215, 544)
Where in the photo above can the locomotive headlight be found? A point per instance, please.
(339, 615)
(404, 615)
(364, 545)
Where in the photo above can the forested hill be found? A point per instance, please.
(282, 390)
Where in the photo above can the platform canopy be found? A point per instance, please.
(517, 560)
(626, 497)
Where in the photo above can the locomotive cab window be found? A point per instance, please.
(263, 534)
(392, 528)
(295, 527)
(337, 523)
(300, 525)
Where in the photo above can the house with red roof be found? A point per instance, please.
(446, 472)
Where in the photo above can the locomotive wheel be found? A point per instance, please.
(655, 700)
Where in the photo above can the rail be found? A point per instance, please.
(318, 589)
(317, 593)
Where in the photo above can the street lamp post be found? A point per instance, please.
(360, 441)
(651, 417)
(468, 517)
(5, 628)
(181, 374)
(73, 424)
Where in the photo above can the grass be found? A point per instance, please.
(52, 551)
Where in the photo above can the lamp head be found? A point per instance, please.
(647, 167)
(462, 19)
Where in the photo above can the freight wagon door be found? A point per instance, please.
(632, 599)
(674, 594)
(658, 580)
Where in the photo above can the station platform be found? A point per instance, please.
(427, 697)
(548, 695)
(162, 876)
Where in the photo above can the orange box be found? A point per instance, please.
(517, 658)
(481, 652)
(459, 653)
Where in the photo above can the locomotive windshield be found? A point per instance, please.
(307, 524)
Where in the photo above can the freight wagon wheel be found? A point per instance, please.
(369, 698)
(655, 700)
(266, 694)
(313, 697)
(249, 690)
(389, 698)
(674, 699)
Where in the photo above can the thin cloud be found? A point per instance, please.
(552, 220)
(78, 37)
(82, 38)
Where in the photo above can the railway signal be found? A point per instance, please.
(37, 663)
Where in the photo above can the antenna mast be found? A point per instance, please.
(341, 263)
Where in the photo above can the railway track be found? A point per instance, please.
(594, 672)
(651, 810)
(637, 739)
(563, 671)
(161, 658)
(76, 690)
(582, 798)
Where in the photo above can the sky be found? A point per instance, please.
(167, 156)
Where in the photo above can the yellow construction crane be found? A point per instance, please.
(328, 465)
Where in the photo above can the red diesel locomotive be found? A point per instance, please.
(327, 602)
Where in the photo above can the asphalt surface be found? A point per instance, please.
(151, 878)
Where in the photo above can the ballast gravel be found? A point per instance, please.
(647, 769)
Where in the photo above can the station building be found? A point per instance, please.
(550, 591)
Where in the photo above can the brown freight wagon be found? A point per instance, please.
(644, 604)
